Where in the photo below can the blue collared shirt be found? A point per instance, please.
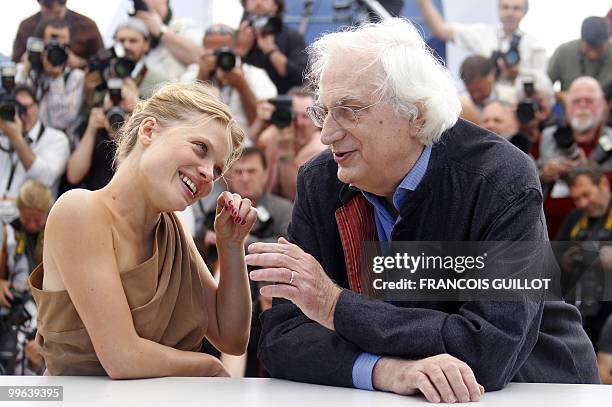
(364, 364)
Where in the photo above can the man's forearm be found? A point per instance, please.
(182, 48)
(279, 62)
(439, 28)
(24, 152)
(80, 160)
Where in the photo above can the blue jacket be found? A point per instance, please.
(478, 187)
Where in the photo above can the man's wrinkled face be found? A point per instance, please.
(585, 106)
(376, 153)
(511, 12)
(592, 197)
(135, 44)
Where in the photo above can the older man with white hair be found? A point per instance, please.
(402, 167)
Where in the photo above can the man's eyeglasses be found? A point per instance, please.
(346, 117)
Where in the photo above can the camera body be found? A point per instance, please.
(528, 107)
(138, 5)
(512, 57)
(283, 111)
(115, 116)
(111, 62)
(564, 138)
(56, 52)
(8, 103)
(10, 323)
(35, 48)
(264, 24)
(226, 58)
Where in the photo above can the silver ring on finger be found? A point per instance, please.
(292, 275)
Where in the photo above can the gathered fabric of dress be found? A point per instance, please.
(165, 295)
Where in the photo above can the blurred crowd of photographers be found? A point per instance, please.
(65, 94)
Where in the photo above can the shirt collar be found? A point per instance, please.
(34, 132)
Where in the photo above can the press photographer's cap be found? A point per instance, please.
(595, 31)
(136, 25)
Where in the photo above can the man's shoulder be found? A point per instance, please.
(31, 22)
(320, 173)
(568, 49)
(486, 156)
(81, 19)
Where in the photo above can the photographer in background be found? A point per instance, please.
(534, 110)
(85, 40)
(29, 149)
(289, 140)
(510, 49)
(480, 80)
(133, 35)
(90, 164)
(174, 40)
(590, 55)
(587, 265)
(562, 148)
(240, 85)
(59, 88)
(266, 42)
(604, 354)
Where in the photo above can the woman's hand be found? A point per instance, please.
(234, 219)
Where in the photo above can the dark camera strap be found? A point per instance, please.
(15, 162)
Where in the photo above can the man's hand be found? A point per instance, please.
(440, 378)
(208, 64)
(152, 20)
(299, 277)
(245, 39)
(234, 78)
(75, 61)
(605, 256)
(96, 119)
(5, 293)
(13, 130)
(508, 72)
(266, 43)
(554, 168)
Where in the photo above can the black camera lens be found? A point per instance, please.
(116, 117)
(283, 111)
(564, 138)
(226, 59)
(56, 52)
(122, 68)
(526, 110)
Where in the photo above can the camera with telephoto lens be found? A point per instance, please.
(111, 62)
(116, 116)
(56, 52)
(8, 103)
(226, 58)
(528, 107)
(264, 24)
(564, 138)
(11, 320)
(138, 5)
(283, 111)
(35, 48)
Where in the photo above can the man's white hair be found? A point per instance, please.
(407, 76)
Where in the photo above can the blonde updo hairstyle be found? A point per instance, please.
(174, 104)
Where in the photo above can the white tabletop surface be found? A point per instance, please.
(217, 392)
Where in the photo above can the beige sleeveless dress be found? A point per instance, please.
(165, 295)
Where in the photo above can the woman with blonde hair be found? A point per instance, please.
(122, 289)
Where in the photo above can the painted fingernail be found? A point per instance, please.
(238, 219)
(243, 222)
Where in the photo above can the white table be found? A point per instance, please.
(217, 392)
